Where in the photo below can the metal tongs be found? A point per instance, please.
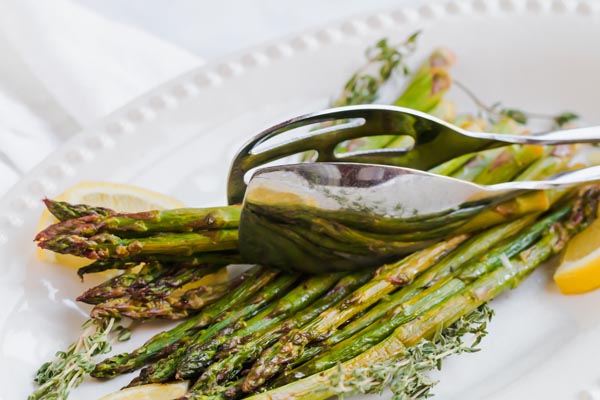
(295, 215)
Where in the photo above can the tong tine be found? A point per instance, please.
(355, 123)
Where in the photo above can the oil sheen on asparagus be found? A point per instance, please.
(270, 334)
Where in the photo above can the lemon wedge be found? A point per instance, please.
(155, 391)
(579, 269)
(120, 197)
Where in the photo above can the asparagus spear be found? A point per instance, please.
(306, 292)
(388, 278)
(512, 160)
(475, 248)
(161, 344)
(147, 222)
(429, 84)
(165, 284)
(196, 297)
(377, 330)
(480, 291)
(268, 362)
(424, 93)
(240, 350)
(64, 211)
(106, 245)
(556, 161)
(113, 288)
(477, 162)
(470, 250)
(153, 280)
(166, 368)
(269, 292)
(203, 347)
(170, 307)
(355, 345)
(195, 260)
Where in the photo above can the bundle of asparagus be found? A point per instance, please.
(271, 334)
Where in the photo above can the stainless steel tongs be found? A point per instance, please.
(353, 190)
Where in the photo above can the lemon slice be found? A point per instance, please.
(579, 269)
(123, 198)
(156, 391)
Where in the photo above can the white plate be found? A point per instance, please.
(179, 139)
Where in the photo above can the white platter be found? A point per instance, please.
(179, 138)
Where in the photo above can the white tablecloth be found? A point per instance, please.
(66, 63)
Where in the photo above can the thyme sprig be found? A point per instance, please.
(385, 59)
(58, 377)
(495, 111)
(408, 376)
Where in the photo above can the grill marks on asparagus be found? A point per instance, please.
(101, 234)
(106, 245)
(64, 211)
(388, 278)
(490, 284)
(160, 345)
(194, 261)
(222, 376)
(156, 291)
(425, 299)
(238, 351)
(96, 220)
(411, 301)
(222, 361)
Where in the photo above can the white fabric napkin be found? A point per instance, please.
(63, 67)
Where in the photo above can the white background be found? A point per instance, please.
(66, 63)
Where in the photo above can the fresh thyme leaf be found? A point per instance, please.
(385, 59)
(58, 377)
(408, 376)
(564, 118)
(517, 115)
(124, 334)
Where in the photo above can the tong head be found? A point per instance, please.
(433, 141)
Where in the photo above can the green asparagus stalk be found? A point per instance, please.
(197, 297)
(389, 277)
(167, 283)
(429, 83)
(269, 292)
(166, 368)
(147, 222)
(468, 166)
(295, 300)
(106, 245)
(170, 307)
(153, 280)
(150, 272)
(451, 166)
(195, 260)
(241, 350)
(378, 330)
(555, 162)
(163, 343)
(529, 154)
(511, 161)
(424, 93)
(353, 346)
(473, 249)
(113, 288)
(472, 164)
(64, 211)
(480, 291)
